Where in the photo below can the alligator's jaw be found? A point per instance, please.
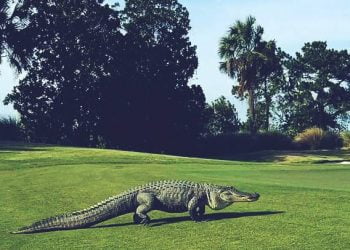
(249, 198)
(219, 199)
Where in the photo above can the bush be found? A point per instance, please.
(273, 140)
(225, 144)
(331, 140)
(346, 138)
(10, 129)
(317, 138)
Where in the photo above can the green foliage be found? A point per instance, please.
(12, 42)
(317, 138)
(10, 129)
(317, 92)
(40, 181)
(346, 138)
(332, 140)
(157, 110)
(59, 98)
(273, 140)
(223, 118)
(120, 77)
(226, 144)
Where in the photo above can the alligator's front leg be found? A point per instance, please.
(145, 201)
(201, 210)
(196, 208)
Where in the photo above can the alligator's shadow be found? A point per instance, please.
(207, 217)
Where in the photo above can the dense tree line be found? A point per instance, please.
(97, 75)
(100, 75)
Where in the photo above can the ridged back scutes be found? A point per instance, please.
(171, 183)
(161, 184)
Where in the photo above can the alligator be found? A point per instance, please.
(168, 196)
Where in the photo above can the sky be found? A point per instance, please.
(290, 23)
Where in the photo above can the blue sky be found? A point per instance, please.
(290, 22)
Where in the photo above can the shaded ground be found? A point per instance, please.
(303, 156)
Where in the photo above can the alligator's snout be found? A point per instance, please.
(254, 197)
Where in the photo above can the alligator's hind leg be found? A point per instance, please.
(145, 204)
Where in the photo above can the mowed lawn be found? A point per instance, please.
(303, 205)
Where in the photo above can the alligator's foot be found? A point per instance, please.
(198, 219)
(197, 214)
(202, 220)
(141, 219)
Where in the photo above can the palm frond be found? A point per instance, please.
(15, 62)
(241, 53)
(227, 47)
(4, 5)
(11, 20)
(222, 67)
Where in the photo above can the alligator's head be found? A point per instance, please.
(222, 197)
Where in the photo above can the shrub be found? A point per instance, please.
(331, 140)
(309, 138)
(317, 138)
(10, 129)
(346, 138)
(223, 144)
(273, 140)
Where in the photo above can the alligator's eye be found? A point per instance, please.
(226, 193)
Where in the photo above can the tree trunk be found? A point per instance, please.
(251, 103)
(267, 108)
(267, 116)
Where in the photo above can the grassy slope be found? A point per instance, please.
(303, 205)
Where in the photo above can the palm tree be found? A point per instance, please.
(240, 51)
(12, 46)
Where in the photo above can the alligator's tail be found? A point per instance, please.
(102, 211)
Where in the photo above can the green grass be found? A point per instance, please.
(304, 205)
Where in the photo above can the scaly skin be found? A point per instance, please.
(168, 196)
